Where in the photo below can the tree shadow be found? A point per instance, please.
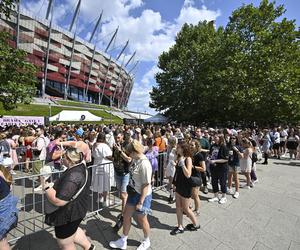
(36, 241)
(103, 233)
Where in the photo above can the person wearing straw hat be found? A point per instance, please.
(139, 196)
(70, 195)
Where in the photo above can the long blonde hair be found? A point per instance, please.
(7, 175)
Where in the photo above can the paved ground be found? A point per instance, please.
(266, 217)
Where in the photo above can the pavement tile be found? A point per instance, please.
(223, 247)
(294, 246)
(260, 246)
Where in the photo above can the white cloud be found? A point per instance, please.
(148, 34)
(192, 15)
(39, 8)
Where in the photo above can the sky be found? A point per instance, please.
(149, 25)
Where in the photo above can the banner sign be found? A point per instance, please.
(21, 120)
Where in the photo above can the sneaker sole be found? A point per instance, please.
(115, 247)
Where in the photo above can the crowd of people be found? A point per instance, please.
(136, 158)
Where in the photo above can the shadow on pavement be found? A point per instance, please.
(293, 164)
(36, 242)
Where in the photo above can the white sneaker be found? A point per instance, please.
(215, 199)
(120, 244)
(248, 187)
(252, 185)
(107, 203)
(229, 191)
(236, 195)
(256, 181)
(144, 245)
(38, 189)
(223, 200)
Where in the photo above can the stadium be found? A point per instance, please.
(67, 66)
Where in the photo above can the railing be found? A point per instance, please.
(31, 202)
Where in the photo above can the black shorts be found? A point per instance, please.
(276, 146)
(67, 230)
(282, 143)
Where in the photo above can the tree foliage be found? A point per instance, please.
(247, 71)
(17, 76)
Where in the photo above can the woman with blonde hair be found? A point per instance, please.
(69, 195)
(8, 210)
(139, 196)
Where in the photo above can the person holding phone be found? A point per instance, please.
(139, 196)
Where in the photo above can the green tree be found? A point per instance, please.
(6, 6)
(245, 72)
(17, 76)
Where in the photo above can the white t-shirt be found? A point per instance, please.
(101, 151)
(141, 172)
(276, 137)
(110, 139)
(41, 144)
(283, 135)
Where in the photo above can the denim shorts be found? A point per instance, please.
(122, 182)
(133, 200)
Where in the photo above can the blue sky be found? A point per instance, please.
(150, 26)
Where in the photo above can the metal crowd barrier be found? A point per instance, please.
(31, 202)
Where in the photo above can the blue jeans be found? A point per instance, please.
(133, 200)
(8, 214)
(122, 182)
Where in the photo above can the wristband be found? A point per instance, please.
(46, 188)
(50, 185)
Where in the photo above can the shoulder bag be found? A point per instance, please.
(195, 179)
(50, 208)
